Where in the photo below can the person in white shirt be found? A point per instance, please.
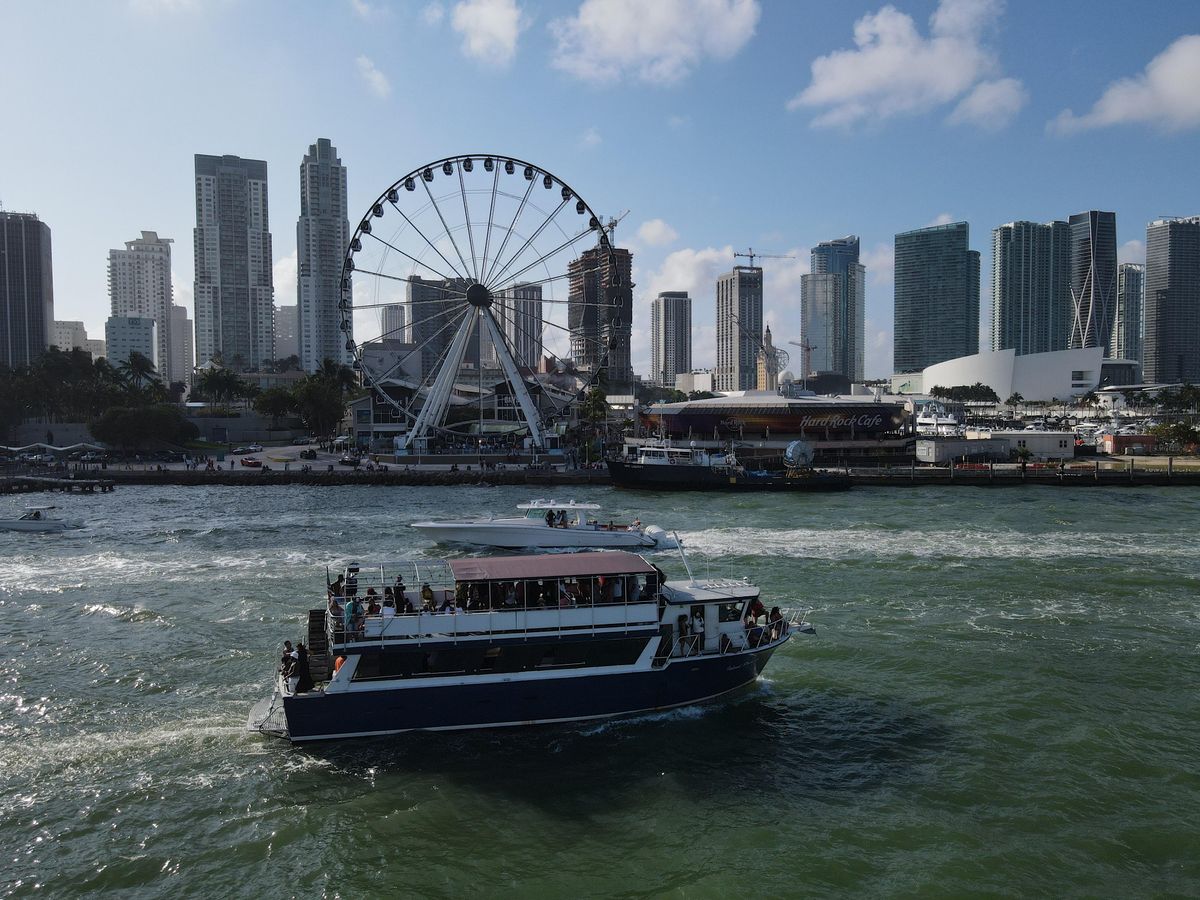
(697, 632)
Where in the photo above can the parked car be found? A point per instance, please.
(241, 451)
(256, 448)
(300, 441)
(350, 461)
(250, 462)
(308, 454)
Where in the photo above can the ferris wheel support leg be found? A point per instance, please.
(513, 374)
(438, 398)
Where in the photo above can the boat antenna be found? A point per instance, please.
(683, 556)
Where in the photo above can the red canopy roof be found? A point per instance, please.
(558, 565)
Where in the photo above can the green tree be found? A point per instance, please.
(275, 402)
(319, 402)
(132, 428)
(138, 370)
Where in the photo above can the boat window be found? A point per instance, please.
(730, 612)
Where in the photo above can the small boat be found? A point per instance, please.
(664, 467)
(549, 524)
(517, 640)
(38, 518)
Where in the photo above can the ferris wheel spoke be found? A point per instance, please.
(432, 246)
(390, 246)
(513, 376)
(509, 232)
(487, 241)
(529, 241)
(462, 188)
(408, 280)
(438, 399)
(417, 348)
(545, 256)
(446, 228)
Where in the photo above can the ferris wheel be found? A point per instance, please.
(481, 295)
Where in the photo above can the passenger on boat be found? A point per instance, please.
(697, 626)
(562, 518)
(681, 624)
(352, 581)
(426, 597)
(775, 623)
(565, 598)
(389, 608)
(337, 589)
(409, 609)
(510, 596)
(549, 518)
(372, 602)
(304, 681)
(447, 604)
(335, 608)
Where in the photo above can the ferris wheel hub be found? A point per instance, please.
(479, 296)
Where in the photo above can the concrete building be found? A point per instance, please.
(600, 313)
(430, 319)
(833, 310)
(1171, 348)
(26, 289)
(1126, 340)
(68, 335)
(1031, 287)
(139, 286)
(183, 347)
(234, 291)
(1093, 278)
(392, 322)
(670, 337)
(519, 311)
(126, 334)
(1037, 377)
(696, 380)
(936, 297)
(98, 347)
(287, 332)
(739, 328)
(322, 234)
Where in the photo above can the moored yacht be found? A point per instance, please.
(665, 466)
(549, 524)
(519, 641)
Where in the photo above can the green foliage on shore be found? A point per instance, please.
(133, 427)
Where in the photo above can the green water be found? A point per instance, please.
(1001, 699)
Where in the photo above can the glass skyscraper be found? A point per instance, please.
(1171, 348)
(26, 289)
(832, 309)
(1093, 278)
(937, 297)
(1127, 327)
(1031, 287)
(739, 328)
(322, 233)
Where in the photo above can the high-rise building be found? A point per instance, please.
(392, 322)
(69, 335)
(234, 292)
(1127, 325)
(833, 309)
(287, 331)
(431, 321)
(670, 337)
(739, 328)
(98, 348)
(1093, 278)
(183, 349)
(139, 286)
(322, 233)
(26, 289)
(1031, 287)
(124, 335)
(519, 311)
(937, 296)
(1171, 343)
(600, 314)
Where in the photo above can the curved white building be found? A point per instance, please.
(1060, 374)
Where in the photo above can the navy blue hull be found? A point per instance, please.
(320, 716)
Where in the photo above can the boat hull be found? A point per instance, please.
(704, 478)
(496, 534)
(53, 526)
(498, 704)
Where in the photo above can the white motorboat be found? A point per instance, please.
(38, 518)
(549, 524)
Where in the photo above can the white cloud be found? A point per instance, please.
(1164, 94)
(153, 7)
(1132, 252)
(941, 219)
(590, 138)
(433, 14)
(376, 81)
(991, 105)
(895, 70)
(659, 42)
(367, 11)
(880, 261)
(489, 29)
(183, 294)
(656, 233)
(677, 121)
(781, 293)
(694, 271)
(283, 276)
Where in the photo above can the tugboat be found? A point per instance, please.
(667, 468)
(549, 524)
(524, 640)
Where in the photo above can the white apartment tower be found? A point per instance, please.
(139, 286)
(322, 233)
(671, 337)
(183, 348)
(739, 328)
(235, 311)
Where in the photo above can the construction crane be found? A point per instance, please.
(751, 255)
(805, 360)
(613, 222)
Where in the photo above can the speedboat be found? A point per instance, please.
(549, 524)
(517, 640)
(38, 518)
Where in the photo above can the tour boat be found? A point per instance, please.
(38, 518)
(521, 640)
(549, 524)
(665, 467)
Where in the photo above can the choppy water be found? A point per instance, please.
(1001, 699)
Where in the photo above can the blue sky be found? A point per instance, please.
(720, 124)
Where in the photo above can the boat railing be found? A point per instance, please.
(753, 637)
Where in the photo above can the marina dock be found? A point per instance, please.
(29, 484)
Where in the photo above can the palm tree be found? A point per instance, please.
(137, 369)
(336, 373)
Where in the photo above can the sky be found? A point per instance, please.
(719, 124)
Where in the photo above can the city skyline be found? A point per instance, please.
(933, 145)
